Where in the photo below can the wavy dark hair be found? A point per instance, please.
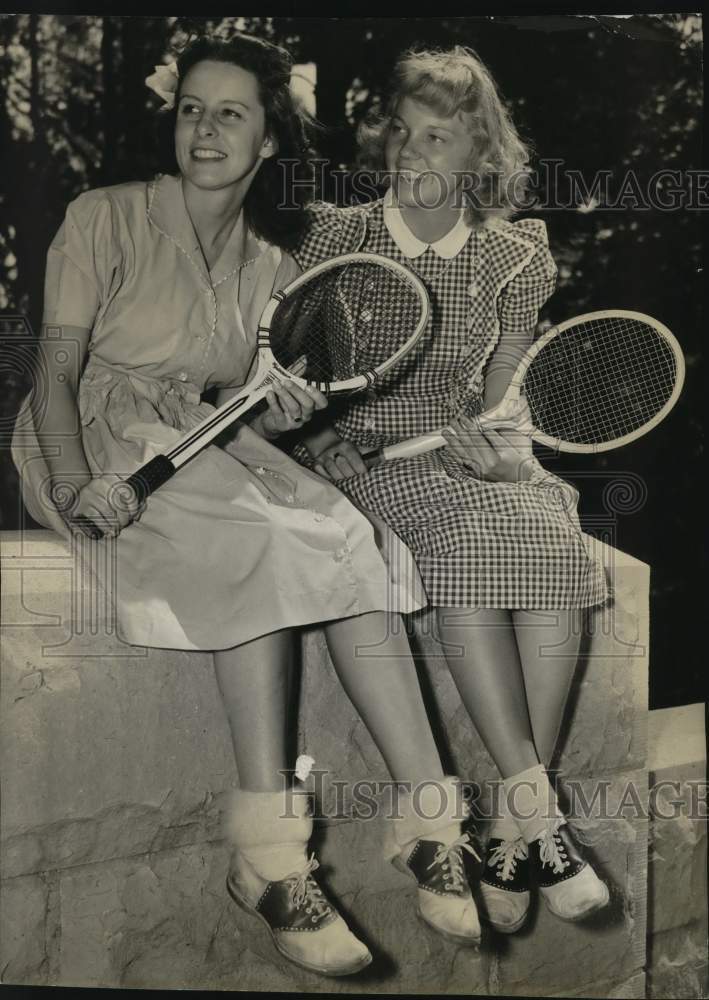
(289, 173)
(448, 82)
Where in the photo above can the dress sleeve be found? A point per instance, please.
(522, 298)
(288, 270)
(324, 236)
(82, 262)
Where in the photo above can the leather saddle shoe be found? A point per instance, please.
(504, 884)
(445, 901)
(569, 886)
(305, 927)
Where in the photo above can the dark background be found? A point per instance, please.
(599, 93)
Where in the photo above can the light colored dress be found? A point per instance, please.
(238, 543)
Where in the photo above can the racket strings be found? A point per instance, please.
(345, 321)
(600, 380)
(600, 409)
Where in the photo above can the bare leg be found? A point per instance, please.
(548, 643)
(489, 677)
(269, 827)
(382, 683)
(383, 686)
(254, 681)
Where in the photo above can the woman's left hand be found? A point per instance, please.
(493, 455)
(289, 407)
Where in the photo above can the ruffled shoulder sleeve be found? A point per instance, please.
(522, 298)
(327, 234)
(83, 261)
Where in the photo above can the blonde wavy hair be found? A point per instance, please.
(448, 82)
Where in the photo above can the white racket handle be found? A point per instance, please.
(434, 439)
(405, 449)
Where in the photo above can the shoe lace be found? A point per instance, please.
(551, 850)
(304, 890)
(506, 855)
(451, 856)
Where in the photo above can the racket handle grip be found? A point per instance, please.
(405, 449)
(143, 482)
(150, 476)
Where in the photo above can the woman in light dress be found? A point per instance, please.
(159, 288)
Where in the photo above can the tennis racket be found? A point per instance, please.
(593, 383)
(340, 326)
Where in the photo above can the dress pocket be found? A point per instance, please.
(278, 487)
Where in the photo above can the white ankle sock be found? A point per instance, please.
(434, 812)
(276, 861)
(503, 826)
(532, 801)
(271, 830)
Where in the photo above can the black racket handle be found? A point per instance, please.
(150, 476)
(143, 482)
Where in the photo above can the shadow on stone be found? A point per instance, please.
(438, 725)
(573, 696)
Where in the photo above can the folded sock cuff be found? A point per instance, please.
(433, 809)
(262, 818)
(532, 801)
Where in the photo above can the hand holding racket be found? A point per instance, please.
(347, 320)
(497, 453)
(593, 383)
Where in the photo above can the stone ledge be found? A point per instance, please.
(163, 920)
(112, 860)
(677, 868)
(98, 758)
(677, 966)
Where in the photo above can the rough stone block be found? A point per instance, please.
(677, 870)
(678, 963)
(678, 832)
(631, 989)
(24, 906)
(678, 855)
(147, 922)
(106, 757)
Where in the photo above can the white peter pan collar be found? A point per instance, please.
(447, 247)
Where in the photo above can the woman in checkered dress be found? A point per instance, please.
(496, 538)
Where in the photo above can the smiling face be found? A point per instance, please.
(220, 132)
(427, 151)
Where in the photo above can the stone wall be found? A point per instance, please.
(677, 871)
(116, 763)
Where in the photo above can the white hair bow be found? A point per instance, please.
(164, 82)
(165, 79)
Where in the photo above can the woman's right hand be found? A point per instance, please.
(109, 504)
(339, 461)
(498, 457)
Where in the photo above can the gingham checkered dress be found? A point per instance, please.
(476, 543)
